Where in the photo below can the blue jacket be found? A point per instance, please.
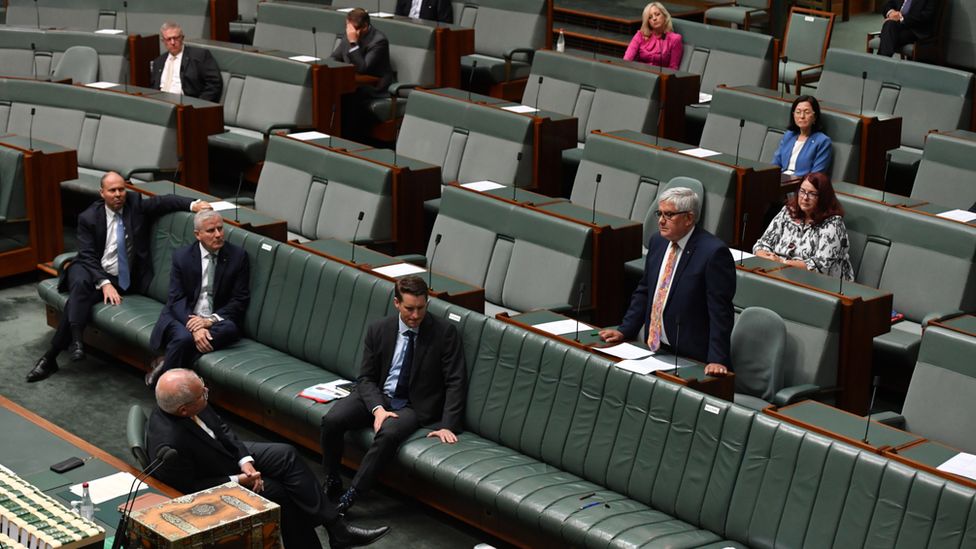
(817, 154)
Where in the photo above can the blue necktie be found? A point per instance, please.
(907, 5)
(401, 396)
(121, 250)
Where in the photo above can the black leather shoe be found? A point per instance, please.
(155, 370)
(77, 351)
(342, 535)
(43, 369)
(332, 488)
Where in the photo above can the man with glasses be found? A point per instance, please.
(184, 70)
(685, 296)
(210, 454)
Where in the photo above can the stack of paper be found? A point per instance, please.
(327, 392)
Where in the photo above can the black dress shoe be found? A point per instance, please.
(77, 351)
(43, 369)
(156, 368)
(342, 535)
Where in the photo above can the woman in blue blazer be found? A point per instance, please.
(804, 148)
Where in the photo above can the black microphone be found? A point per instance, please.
(33, 61)
(125, 13)
(176, 175)
(864, 77)
(30, 130)
(884, 178)
(843, 245)
(359, 220)
(332, 125)
(37, 14)
(742, 124)
(537, 90)
(579, 305)
(237, 198)
(782, 92)
(315, 49)
(677, 336)
(596, 192)
(474, 65)
(430, 264)
(874, 393)
(165, 454)
(742, 238)
(518, 160)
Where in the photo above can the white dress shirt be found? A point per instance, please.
(171, 74)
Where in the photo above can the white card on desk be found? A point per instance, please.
(560, 327)
(307, 136)
(521, 109)
(699, 152)
(101, 85)
(109, 31)
(644, 365)
(963, 216)
(399, 269)
(625, 351)
(222, 205)
(482, 186)
(304, 58)
(962, 464)
(704, 97)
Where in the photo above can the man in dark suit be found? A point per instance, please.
(208, 297)
(210, 454)
(366, 48)
(103, 270)
(433, 10)
(412, 375)
(687, 287)
(198, 75)
(906, 21)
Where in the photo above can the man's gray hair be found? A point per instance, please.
(684, 199)
(182, 394)
(202, 216)
(168, 25)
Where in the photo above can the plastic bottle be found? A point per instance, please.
(87, 507)
(561, 42)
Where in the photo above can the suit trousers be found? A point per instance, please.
(181, 350)
(893, 36)
(82, 296)
(351, 413)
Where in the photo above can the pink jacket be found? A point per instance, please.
(664, 51)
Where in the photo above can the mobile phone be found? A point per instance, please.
(67, 465)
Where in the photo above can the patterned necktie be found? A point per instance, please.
(401, 396)
(122, 252)
(660, 296)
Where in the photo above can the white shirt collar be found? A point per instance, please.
(403, 327)
(683, 243)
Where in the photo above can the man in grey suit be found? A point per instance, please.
(183, 69)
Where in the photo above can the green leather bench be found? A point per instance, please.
(139, 16)
(17, 58)
(947, 169)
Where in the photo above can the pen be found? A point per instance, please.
(591, 504)
(591, 494)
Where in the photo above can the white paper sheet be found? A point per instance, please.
(740, 255)
(521, 109)
(961, 464)
(645, 365)
(560, 327)
(959, 215)
(382, 14)
(102, 85)
(106, 488)
(704, 97)
(222, 205)
(307, 136)
(625, 351)
(345, 10)
(482, 186)
(304, 58)
(109, 31)
(699, 152)
(399, 269)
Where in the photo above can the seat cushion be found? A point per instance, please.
(899, 347)
(88, 182)
(492, 69)
(248, 144)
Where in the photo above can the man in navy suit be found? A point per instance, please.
(434, 10)
(185, 70)
(208, 297)
(103, 270)
(906, 21)
(685, 296)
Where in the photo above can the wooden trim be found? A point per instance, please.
(775, 412)
(222, 12)
(894, 455)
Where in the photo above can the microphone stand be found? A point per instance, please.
(596, 192)
(237, 198)
(165, 454)
(742, 124)
(742, 238)
(874, 393)
(677, 337)
(474, 65)
(359, 220)
(430, 264)
(518, 160)
(579, 306)
(537, 90)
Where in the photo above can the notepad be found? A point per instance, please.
(625, 351)
(106, 488)
(308, 136)
(962, 464)
(222, 205)
(560, 327)
(102, 85)
(963, 216)
(699, 152)
(644, 365)
(399, 269)
(521, 109)
(482, 186)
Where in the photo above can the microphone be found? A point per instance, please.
(430, 265)
(474, 65)
(165, 454)
(537, 90)
(884, 180)
(359, 220)
(742, 237)
(874, 393)
(125, 13)
(33, 61)
(237, 198)
(518, 160)
(677, 336)
(843, 244)
(332, 125)
(176, 175)
(782, 92)
(37, 14)
(864, 77)
(742, 124)
(30, 130)
(596, 192)
(315, 52)
(579, 305)
(396, 137)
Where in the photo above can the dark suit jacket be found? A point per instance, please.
(138, 216)
(231, 289)
(372, 57)
(198, 73)
(920, 18)
(701, 297)
(201, 461)
(438, 378)
(434, 10)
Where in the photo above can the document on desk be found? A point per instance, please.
(521, 109)
(740, 255)
(625, 351)
(106, 488)
(399, 269)
(304, 58)
(561, 327)
(222, 205)
(101, 85)
(382, 14)
(963, 216)
(962, 464)
(482, 186)
(645, 365)
(699, 152)
(307, 136)
(110, 31)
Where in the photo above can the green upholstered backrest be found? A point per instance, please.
(758, 348)
(806, 37)
(501, 25)
(13, 204)
(866, 223)
(169, 232)
(139, 16)
(765, 121)
(725, 56)
(946, 172)
(19, 60)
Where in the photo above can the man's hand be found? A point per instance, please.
(198, 322)
(894, 15)
(611, 336)
(200, 205)
(379, 416)
(250, 478)
(352, 33)
(202, 339)
(715, 369)
(446, 435)
(110, 294)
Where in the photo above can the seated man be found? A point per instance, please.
(185, 70)
(685, 296)
(368, 50)
(103, 269)
(434, 10)
(412, 375)
(208, 297)
(210, 454)
(906, 21)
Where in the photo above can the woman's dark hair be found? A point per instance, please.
(817, 124)
(827, 203)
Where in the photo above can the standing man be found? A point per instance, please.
(113, 260)
(433, 10)
(685, 295)
(413, 375)
(208, 297)
(184, 70)
(210, 454)
(906, 21)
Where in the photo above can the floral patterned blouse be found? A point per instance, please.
(823, 247)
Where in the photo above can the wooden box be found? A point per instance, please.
(226, 516)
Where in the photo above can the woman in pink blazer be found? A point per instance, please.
(656, 43)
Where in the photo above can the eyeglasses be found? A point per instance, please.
(669, 215)
(808, 194)
(798, 112)
(173, 38)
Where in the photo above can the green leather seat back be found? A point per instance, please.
(19, 60)
(947, 169)
(169, 233)
(725, 56)
(13, 205)
(866, 223)
(139, 16)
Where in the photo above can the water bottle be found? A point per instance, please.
(561, 42)
(87, 507)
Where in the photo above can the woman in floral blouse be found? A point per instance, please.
(809, 231)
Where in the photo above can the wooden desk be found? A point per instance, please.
(928, 455)
(964, 324)
(844, 426)
(45, 167)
